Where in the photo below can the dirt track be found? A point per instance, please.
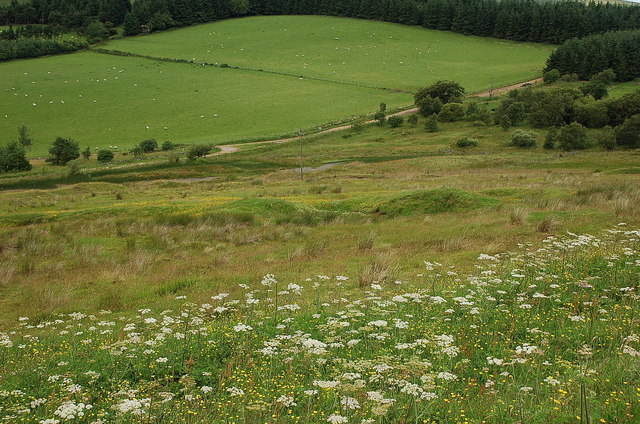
(231, 148)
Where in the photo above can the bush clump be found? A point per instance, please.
(105, 156)
(524, 139)
(467, 142)
(395, 121)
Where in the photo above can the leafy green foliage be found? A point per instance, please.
(445, 91)
(24, 138)
(104, 156)
(149, 145)
(431, 124)
(451, 112)
(551, 76)
(167, 145)
(618, 51)
(466, 142)
(572, 137)
(429, 105)
(13, 158)
(628, 134)
(521, 138)
(198, 151)
(550, 138)
(591, 114)
(380, 117)
(395, 121)
(63, 150)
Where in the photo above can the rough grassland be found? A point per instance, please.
(351, 50)
(103, 100)
(143, 294)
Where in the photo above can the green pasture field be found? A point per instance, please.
(104, 100)
(348, 50)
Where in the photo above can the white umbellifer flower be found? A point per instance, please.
(494, 361)
(337, 419)
(447, 376)
(349, 403)
(287, 401)
(162, 360)
(69, 410)
(378, 323)
(314, 346)
(268, 280)
(5, 341)
(376, 286)
(326, 384)
(133, 406)
(49, 421)
(242, 327)
(552, 381)
(235, 391)
(526, 389)
(74, 388)
(630, 351)
(310, 392)
(206, 389)
(37, 402)
(576, 318)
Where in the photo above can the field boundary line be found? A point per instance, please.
(239, 68)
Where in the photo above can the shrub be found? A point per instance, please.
(167, 145)
(592, 114)
(628, 134)
(451, 112)
(395, 121)
(550, 139)
(63, 150)
(105, 156)
(198, 151)
(137, 151)
(13, 158)
(606, 138)
(570, 77)
(467, 142)
(551, 76)
(380, 117)
(429, 105)
(73, 168)
(573, 137)
(431, 124)
(521, 138)
(413, 120)
(149, 145)
(446, 91)
(86, 153)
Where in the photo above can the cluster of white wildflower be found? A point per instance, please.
(70, 410)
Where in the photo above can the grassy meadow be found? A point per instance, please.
(104, 100)
(141, 292)
(375, 54)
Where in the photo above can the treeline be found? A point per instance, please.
(35, 47)
(65, 13)
(520, 20)
(619, 51)
(562, 106)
